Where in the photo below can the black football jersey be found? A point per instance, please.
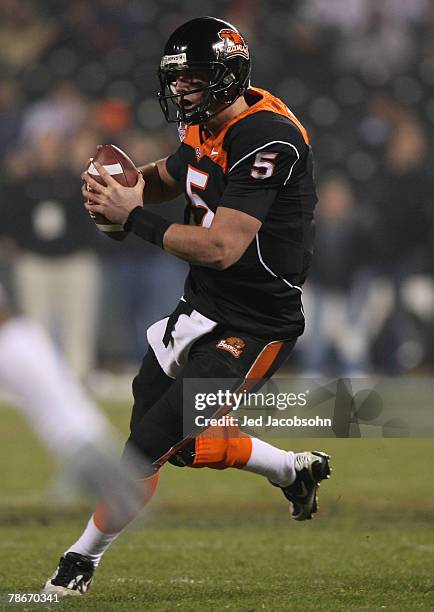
(261, 164)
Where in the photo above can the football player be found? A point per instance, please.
(245, 166)
(39, 383)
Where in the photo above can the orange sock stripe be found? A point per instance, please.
(222, 447)
(101, 516)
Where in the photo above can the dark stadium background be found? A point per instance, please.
(358, 74)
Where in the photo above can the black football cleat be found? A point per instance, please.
(310, 469)
(73, 576)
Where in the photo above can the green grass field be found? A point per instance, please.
(224, 541)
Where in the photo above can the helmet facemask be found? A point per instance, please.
(220, 91)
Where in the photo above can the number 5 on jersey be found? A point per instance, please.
(198, 179)
(263, 167)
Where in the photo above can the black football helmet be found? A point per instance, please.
(215, 51)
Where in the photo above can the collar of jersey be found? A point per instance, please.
(214, 142)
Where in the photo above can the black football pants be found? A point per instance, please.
(161, 404)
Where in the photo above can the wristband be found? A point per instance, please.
(147, 225)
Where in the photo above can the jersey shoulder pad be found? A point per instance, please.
(264, 130)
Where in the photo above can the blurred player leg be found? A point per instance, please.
(33, 372)
(103, 527)
(68, 423)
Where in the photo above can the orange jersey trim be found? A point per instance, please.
(212, 147)
(264, 361)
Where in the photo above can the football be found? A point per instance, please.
(123, 170)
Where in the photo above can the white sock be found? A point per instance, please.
(274, 463)
(93, 543)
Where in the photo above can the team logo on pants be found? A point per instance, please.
(234, 346)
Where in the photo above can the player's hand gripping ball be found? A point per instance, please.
(123, 170)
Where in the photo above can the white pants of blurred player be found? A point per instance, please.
(62, 294)
(38, 382)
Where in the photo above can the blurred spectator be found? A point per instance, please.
(382, 48)
(10, 115)
(336, 334)
(61, 112)
(403, 193)
(427, 37)
(371, 39)
(113, 117)
(25, 33)
(404, 196)
(350, 15)
(56, 271)
(96, 27)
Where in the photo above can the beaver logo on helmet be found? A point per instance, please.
(233, 43)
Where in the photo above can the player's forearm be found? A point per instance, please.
(197, 245)
(156, 189)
